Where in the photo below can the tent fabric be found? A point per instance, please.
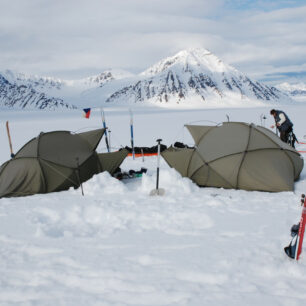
(110, 161)
(237, 155)
(56, 161)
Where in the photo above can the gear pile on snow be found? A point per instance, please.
(237, 155)
(146, 151)
(131, 174)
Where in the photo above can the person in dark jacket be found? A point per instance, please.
(283, 124)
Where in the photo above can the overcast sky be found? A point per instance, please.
(74, 39)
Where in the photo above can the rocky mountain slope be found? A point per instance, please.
(194, 74)
(21, 91)
(190, 77)
(13, 95)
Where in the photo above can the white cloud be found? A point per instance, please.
(77, 38)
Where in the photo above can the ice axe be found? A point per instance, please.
(157, 191)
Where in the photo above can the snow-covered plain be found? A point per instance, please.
(119, 246)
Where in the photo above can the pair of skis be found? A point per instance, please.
(104, 126)
(131, 129)
(157, 191)
(294, 249)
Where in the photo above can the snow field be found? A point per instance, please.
(119, 246)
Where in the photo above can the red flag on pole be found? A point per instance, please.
(86, 112)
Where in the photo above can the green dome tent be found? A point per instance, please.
(237, 155)
(56, 161)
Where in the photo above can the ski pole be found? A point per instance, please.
(132, 133)
(104, 125)
(158, 162)
(9, 139)
(276, 130)
(158, 191)
(264, 120)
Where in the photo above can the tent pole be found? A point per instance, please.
(132, 133)
(78, 174)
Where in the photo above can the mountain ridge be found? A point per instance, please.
(195, 73)
(296, 90)
(188, 77)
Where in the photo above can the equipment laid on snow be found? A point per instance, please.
(145, 151)
(294, 249)
(158, 191)
(292, 139)
(237, 155)
(56, 161)
(120, 175)
(181, 145)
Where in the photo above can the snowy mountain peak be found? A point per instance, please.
(106, 76)
(32, 81)
(195, 76)
(195, 59)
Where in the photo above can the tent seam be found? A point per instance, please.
(58, 172)
(282, 149)
(203, 134)
(188, 167)
(210, 167)
(260, 149)
(38, 159)
(244, 155)
(208, 163)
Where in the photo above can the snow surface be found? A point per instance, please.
(119, 246)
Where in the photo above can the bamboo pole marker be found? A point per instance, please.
(9, 139)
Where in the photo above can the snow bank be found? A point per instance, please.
(117, 245)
